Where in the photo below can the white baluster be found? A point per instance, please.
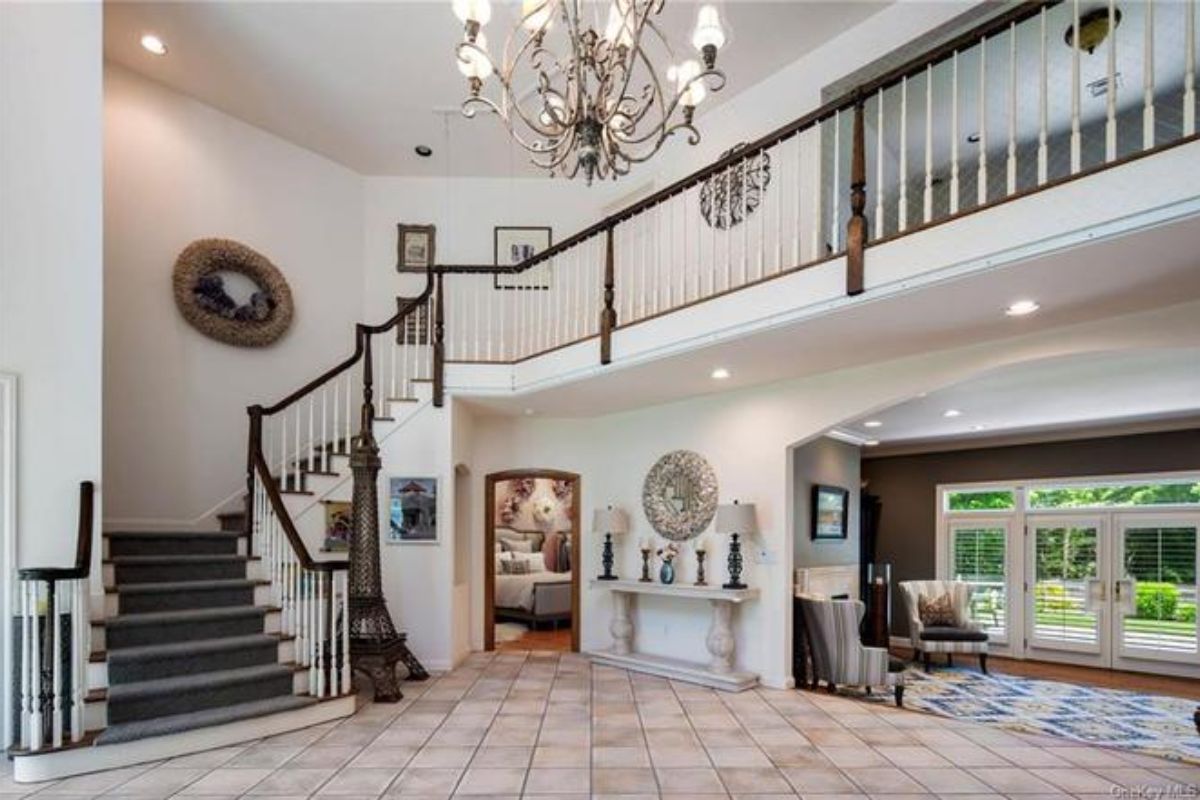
(1148, 79)
(777, 199)
(954, 180)
(56, 656)
(308, 451)
(337, 413)
(28, 631)
(1189, 70)
(1076, 139)
(348, 415)
(762, 220)
(928, 195)
(283, 450)
(1043, 157)
(322, 655)
(325, 418)
(1011, 172)
(835, 204)
(310, 618)
(879, 222)
(981, 177)
(799, 190)
(815, 165)
(1110, 125)
(902, 202)
(35, 666)
(295, 460)
(79, 657)
(345, 615)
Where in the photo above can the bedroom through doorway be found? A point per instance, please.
(531, 583)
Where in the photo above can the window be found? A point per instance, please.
(1116, 495)
(1161, 564)
(979, 555)
(981, 500)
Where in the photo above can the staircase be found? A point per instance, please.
(188, 643)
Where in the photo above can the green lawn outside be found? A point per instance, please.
(1074, 619)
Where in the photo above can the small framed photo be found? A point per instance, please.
(830, 512)
(412, 511)
(414, 247)
(514, 245)
(339, 521)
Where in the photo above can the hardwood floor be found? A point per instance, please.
(1187, 688)
(558, 641)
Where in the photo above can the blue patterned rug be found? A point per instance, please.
(1142, 723)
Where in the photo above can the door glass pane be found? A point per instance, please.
(1161, 562)
(1066, 560)
(979, 559)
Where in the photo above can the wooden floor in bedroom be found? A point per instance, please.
(558, 641)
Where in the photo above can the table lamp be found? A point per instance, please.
(609, 521)
(735, 519)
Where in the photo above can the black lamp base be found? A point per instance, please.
(607, 560)
(735, 565)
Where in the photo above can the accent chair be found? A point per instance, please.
(838, 654)
(964, 636)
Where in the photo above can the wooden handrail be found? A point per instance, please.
(83, 545)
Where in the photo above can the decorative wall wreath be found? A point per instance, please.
(201, 297)
(679, 495)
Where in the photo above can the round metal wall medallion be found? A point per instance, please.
(680, 495)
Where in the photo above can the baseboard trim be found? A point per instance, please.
(55, 764)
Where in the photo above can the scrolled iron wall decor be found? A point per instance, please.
(680, 495)
(201, 297)
(733, 194)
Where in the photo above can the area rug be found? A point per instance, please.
(1141, 723)
(510, 631)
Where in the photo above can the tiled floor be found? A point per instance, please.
(547, 725)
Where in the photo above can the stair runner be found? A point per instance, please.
(188, 647)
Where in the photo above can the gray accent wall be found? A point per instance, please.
(907, 484)
(833, 463)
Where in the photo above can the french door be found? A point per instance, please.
(1067, 600)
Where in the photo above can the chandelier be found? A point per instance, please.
(578, 99)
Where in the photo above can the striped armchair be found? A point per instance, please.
(963, 637)
(838, 654)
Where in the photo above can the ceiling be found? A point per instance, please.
(1074, 286)
(363, 83)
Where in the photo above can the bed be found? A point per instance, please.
(540, 597)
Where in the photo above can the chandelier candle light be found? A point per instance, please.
(581, 99)
(733, 520)
(609, 521)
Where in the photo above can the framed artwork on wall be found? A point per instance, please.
(339, 521)
(412, 511)
(516, 244)
(415, 246)
(830, 512)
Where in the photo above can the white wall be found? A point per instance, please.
(177, 170)
(746, 436)
(51, 283)
(826, 462)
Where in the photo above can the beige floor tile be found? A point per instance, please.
(166, 778)
(1012, 780)
(292, 782)
(491, 780)
(359, 781)
(738, 757)
(819, 780)
(620, 757)
(335, 757)
(227, 781)
(558, 756)
(884, 780)
(557, 780)
(859, 756)
(433, 756)
(745, 780)
(679, 757)
(948, 780)
(621, 781)
(502, 757)
(422, 782)
(1030, 756)
(689, 781)
(1077, 780)
(911, 756)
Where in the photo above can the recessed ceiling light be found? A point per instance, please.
(979, 427)
(872, 423)
(720, 374)
(871, 443)
(153, 44)
(1021, 308)
(423, 150)
(529, 412)
(951, 412)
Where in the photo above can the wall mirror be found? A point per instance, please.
(680, 495)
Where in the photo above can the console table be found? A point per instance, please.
(717, 673)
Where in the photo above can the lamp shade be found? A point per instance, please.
(736, 518)
(610, 520)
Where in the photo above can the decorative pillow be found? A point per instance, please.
(550, 550)
(536, 561)
(519, 547)
(515, 566)
(937, 611)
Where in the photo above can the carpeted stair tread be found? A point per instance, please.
(214, 584)
(205, 681)
(178, 723)
(178, 534)
(151, 652)
(190, 558)
(184, 617)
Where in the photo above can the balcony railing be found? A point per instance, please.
(1009, 108)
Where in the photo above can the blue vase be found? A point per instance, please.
(667, 573)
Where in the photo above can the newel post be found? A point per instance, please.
(856, 228)
(439, 345)
(608, 315)
(252, 448)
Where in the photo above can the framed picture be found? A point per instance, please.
(829, 512)
(412, 510)
(514, 245)
(414, 247)
(339, 521)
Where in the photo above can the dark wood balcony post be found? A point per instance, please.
(608, 315)
(439, 345)
(253, 447)
(856, 228)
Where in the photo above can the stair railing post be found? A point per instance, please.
(439, 344)
(253, 447)
(608, 315)
(856, 228)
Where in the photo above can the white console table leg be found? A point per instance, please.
(621, 626)
(720, 637)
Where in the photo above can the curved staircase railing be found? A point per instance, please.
(298, 437)
(54, 636)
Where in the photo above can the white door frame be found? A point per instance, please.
(8, 541)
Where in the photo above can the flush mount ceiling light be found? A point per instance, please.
(153, 44)
(423, 150)
(872, 423)
(720, 374)
(950, 413)
(1094, 28)
(582, 94)
(871, 443)
(1021, 308)
(979, 427)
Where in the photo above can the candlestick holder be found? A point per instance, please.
(700, 568)
(646, 566)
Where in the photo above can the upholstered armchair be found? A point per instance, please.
(964, 636)
(838, 654)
